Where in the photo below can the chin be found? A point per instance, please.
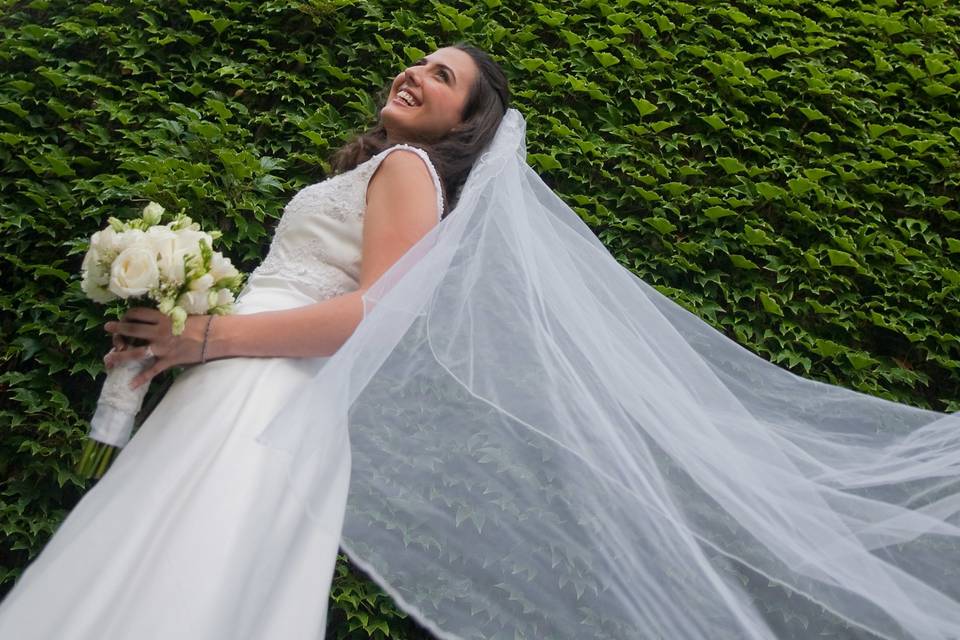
(397, 132)
(390, 118)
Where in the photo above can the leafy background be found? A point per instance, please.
(786, 169)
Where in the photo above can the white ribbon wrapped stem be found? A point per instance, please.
(112, 423)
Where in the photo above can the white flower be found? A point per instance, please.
(172, 247)
(166, 304)
(129, 239)
(152, 213)
(171, 267)
(106, 243)
(188, 244)
(179, 318)
(221, 267)
(202, 284)
(134, 272)
(96, 292)
(220, 298)
(158, 235)
(163, 242)
(190, 239)
(93, 268)
(194, 302)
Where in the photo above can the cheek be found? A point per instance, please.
(452, 106)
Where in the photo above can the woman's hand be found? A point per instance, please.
(157, 330)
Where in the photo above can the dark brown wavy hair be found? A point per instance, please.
(454, 155)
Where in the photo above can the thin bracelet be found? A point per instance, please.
(206, 334)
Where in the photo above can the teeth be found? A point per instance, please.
(404, 95)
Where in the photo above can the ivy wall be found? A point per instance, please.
(786, 169)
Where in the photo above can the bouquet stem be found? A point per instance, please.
(112, 424)
(95, 459)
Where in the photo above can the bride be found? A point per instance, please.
(192, 533)
(520, 439)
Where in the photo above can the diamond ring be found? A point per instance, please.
(149, 352)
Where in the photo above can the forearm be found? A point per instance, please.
(313, 330)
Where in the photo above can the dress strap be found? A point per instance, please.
(426, 159)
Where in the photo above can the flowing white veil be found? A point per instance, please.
(543, 446)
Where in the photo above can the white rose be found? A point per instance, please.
(163, 242)
(171, 267)
(159, 235)
(134, 272)
(194, 302)
(221, 267)
(129, 239)
(189, 240)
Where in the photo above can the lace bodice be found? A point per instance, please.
(317, 245)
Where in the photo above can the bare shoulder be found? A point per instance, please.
(401, 169)
(401, 209)
(403, 177)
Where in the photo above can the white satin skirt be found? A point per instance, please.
(193, 533)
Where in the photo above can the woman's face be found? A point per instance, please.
(427, 98)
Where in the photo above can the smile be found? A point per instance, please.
(405, 98)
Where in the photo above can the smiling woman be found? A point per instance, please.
(426, 100)
(195, 517)
(536, 442)
(449, 104)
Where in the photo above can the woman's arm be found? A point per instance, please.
(317, 329)
(401, 209)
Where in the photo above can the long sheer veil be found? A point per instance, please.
(543, 446)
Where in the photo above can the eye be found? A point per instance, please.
(440, 70)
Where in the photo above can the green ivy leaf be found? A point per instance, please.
(860, 360)
(662, 225)
(544, 161)
(714, 121)
(199, 16)
(770, 305)
(937, 89)
(780, 50)
(742, 262)
(840, 258)
(731, 165)
(801, 186)
(645, 107)
(715, 213)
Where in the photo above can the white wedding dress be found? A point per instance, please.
(189, 535)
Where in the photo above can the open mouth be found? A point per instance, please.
(406, 99)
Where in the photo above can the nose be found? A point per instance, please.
(410, 75)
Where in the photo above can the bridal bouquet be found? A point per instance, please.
(175, 266)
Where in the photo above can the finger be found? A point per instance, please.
(132, 329)
(107, 361)
(147, 375)
(119, 344)
(115, 358)
(143, 314)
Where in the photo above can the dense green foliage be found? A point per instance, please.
(787, 169)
